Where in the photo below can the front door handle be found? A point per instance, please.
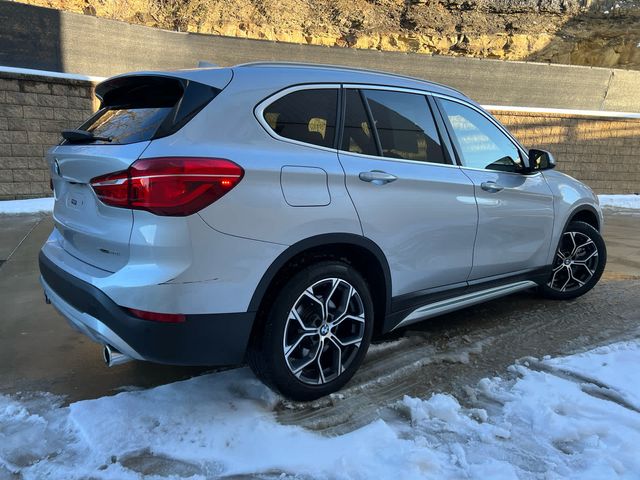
(377, 177)
(491, 187)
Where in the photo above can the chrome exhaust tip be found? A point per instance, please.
(113, 357)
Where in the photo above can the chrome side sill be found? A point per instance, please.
(466, 300)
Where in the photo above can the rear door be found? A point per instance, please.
(134, 111)
(515, 210)
(411, 201)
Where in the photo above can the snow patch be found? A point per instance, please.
(33, 205)
(620, 201)
(545, 421)
(610, 368)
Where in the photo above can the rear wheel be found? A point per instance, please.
(578, 262)
(316, 332)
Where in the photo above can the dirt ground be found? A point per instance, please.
(39, 352)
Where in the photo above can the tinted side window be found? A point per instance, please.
(480, 144)
(307, 116)
(357, 135)
(405, 126)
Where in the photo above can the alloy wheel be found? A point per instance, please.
(323, 331)
(575, 262)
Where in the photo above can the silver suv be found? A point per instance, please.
(284, 214)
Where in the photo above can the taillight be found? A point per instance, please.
(172, 186)
(158, 317)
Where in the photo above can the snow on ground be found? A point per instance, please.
(569, 417)
(620, 201)
(33, 205)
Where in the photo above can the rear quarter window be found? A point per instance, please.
(307, 116)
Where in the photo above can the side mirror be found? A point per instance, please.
(540, 160)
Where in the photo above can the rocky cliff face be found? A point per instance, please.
(584, 32)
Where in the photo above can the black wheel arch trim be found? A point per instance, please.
(582, 208)
(327, 239)
(585, 207)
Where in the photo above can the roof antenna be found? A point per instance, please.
(205, 64)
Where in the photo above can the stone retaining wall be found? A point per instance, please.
(52, 40)
(33, 112)
(602, 151)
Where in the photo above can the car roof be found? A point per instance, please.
(283, 74)
(344, 74)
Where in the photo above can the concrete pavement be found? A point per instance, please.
(40, 352)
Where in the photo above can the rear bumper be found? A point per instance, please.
(216, 339)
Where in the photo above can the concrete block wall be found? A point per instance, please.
(47, 39)
(33, 112)
(603, 152)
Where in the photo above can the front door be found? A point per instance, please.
(416, 206)
(515, 211)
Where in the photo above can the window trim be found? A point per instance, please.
(486, 115)
(447, 142)
(445, 139)
(342, 108)
(370, 119)
(436, 95)
(455, 145)
(343, 115)
(401, 160)
(360, 87)
(259, 109)
(521, 150)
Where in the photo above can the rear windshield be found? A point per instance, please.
(127, 124)
(141, 108)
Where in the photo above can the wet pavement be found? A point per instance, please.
(38, 349)
(39, 352)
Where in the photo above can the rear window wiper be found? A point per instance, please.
(80, 136)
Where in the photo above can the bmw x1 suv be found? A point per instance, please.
(283, 214)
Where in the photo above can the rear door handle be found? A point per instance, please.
(377, 177)
(491, 187)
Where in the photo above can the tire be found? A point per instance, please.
(304, 353)
(578, 262)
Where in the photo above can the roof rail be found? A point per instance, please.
(342, 67)
(207, 64)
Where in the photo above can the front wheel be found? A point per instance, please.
(578, 262)
(316, 332)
